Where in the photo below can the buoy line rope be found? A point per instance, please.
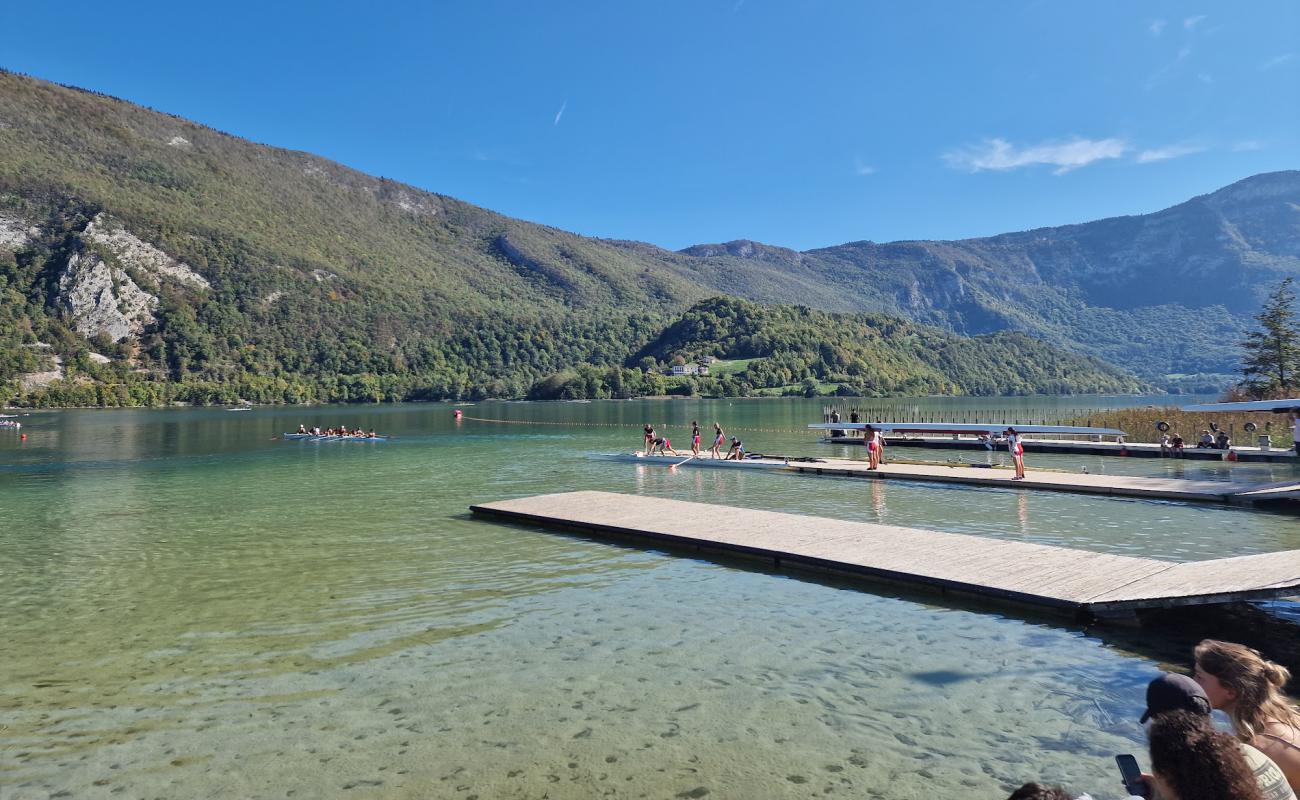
(614, 425)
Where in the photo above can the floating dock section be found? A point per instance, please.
(1273, 455)
(1181, 489)
(1056, 578)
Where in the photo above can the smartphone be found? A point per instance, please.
(1132, 775)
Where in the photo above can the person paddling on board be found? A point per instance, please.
(649, 437)
(1017, 448)
(695, 439)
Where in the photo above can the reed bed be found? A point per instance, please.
(1140, 424)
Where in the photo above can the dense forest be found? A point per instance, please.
(800, 351)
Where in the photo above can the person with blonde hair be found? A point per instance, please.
(1249, 689)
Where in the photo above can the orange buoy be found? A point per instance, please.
(22, 437)
(456, 413)
(1232, 455)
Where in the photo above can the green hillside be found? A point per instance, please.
(161, 260)
(873, 354)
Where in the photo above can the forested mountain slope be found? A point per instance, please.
(149, 252)
(1169, 292)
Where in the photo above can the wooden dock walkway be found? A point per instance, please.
(1243, 454)
(1058, 578)
(1181, 489)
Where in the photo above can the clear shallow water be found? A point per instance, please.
(190, 608)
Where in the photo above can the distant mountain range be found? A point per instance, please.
(1163, 293)
(144, 250)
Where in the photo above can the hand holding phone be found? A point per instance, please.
(1132, 775)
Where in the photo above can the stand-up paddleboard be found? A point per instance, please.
(1276, 406)
(966, 428)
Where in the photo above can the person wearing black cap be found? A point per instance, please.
(1179, 693)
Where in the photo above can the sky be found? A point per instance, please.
(800, 123)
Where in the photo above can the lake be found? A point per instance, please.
(191, 607)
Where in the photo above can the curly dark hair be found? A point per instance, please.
(1040, 791)
(1198, 761)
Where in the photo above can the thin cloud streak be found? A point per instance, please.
(560, 113)
(1157, 27)
(1166, 153)
(1067, 156)
(1276, 61)
(859, 168)
(1192, 22)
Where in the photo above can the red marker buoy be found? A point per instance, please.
(22, 437)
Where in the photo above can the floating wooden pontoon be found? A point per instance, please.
(1057, 578)
(1201, 491)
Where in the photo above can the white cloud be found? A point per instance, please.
(560, 113)
(860, 168)
(1277, 61)
(1247, 145)
(1158, 27)
(1168, 152)
(1192, 22)
(999, 154)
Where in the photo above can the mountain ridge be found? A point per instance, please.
(404, 280)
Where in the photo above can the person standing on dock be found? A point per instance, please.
(871, 437)
(1017, 448)
(695, 438)
(718, 438)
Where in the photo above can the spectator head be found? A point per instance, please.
(1192, 760)
(1040, 791)
(1244, 684)
(1171, 692)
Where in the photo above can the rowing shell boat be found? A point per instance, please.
(311, 437)
(966, 428)
(693, 461)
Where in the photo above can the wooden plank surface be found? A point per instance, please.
(1076, 482)
(1043, 574)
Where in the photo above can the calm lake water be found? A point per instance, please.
(192, 608)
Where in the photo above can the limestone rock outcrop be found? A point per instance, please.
(14, 232)
(134, 252)
(98, 299)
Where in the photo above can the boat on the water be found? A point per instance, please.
(760, 462)
(311, 437)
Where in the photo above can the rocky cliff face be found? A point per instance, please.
(99, 297)
(14, 232)
(133, 251)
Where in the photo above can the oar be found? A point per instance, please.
(683, 461)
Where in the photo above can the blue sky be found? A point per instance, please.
(797, 123)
